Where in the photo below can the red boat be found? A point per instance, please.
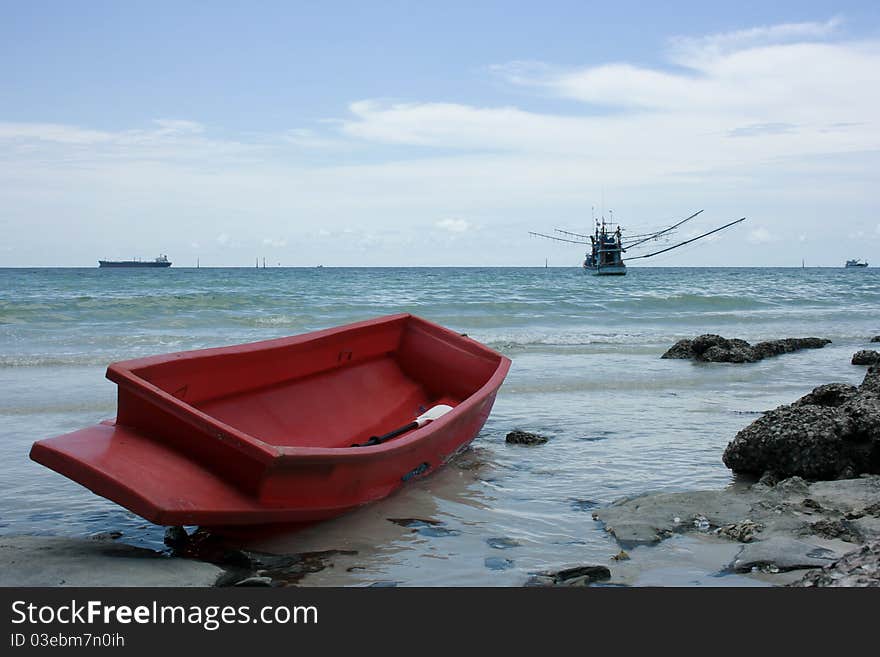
(296, 429)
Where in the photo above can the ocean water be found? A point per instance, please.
(586, 372)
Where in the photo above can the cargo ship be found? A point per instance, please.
(161, 261)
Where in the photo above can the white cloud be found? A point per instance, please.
(179, 126)
(785, 83)
(453, 225)
(168, 140)
(746, 106)
(223, 239)
(691, 49)
(52, 132)
(275, 242)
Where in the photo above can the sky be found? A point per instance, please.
(436, 133)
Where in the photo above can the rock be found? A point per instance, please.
(876, 338)
(864, 412)
(517, 437)
(860, 568)
(636, 533)
(681, 349)
(866, 357)
(728, 354)
(871, 382)
(744, 531)
(176, 538)
(843, 529)
(812, 505)
(830, 394)
(240, 564)
(254, 581)
(793, 525)
(793, 486)
(787, 345)
(712, 348)
(623, 555)
(650, 518)
(577, 576)
(807, 441)
(57, 561)
(831, 433)
(779, 554)
(701, 344)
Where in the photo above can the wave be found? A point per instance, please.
(76, 360)
(100, 409)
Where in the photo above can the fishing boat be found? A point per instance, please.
(608, 244)
(605, 257)
(290, 430)
(161, 261)
(855, 263)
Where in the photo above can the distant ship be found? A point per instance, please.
(855, 263)
(161, 261)
(607, 244)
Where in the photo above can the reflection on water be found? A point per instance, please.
(586, 373)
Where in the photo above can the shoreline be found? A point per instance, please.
(774, 533)
(743, 535)
(763, 532)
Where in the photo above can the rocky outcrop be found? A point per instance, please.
(871, 382)
(866, 357)
(517, 437)
(712, 348)
(772, 530)
(577, 576)
(876, 338)
(59, 561)
(831, 433)
(860, 568)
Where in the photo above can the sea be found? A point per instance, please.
(586, 373)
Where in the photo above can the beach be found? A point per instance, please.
(587, 373)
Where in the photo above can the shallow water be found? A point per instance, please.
(586, 372)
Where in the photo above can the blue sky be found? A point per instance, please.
(433, 133)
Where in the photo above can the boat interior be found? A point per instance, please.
(332, 390)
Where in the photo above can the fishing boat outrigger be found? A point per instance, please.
(608, 244)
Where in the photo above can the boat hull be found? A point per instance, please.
(609, 270)
(278, 450)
